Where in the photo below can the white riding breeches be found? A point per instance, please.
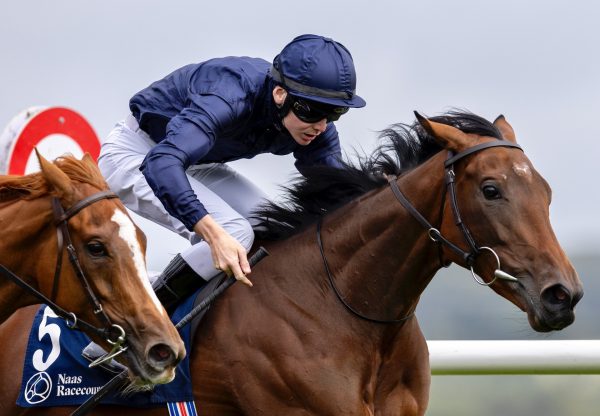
(228, 196)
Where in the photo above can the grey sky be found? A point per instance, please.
(535, 62)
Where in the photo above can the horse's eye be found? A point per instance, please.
(96, 249)
(491, 192)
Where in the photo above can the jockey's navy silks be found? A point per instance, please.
(168, 159)
(216, 111)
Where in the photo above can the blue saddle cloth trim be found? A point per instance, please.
(55, 373)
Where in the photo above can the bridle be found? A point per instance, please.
(112, 333)
(469, 257)
(435, 235)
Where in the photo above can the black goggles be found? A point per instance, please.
(312, 111)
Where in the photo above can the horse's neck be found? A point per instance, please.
(381, 257)
(24, 247)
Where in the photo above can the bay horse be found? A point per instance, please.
(69, 238)
(329, 326)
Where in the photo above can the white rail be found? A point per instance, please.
(514, 357)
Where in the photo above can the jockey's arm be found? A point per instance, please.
(190, 136)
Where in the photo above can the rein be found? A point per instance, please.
(339, 295)
(434, 234)
(61, 218)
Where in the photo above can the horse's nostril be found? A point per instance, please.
(560, 294)
(161, 353)
(557, 296)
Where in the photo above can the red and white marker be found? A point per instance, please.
(55, 131)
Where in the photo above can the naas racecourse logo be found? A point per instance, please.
(38, 388)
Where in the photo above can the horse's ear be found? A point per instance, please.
(448, 136)
(505, 129)
(55, 177)
(89, 160)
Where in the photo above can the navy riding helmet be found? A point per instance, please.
(318, 69)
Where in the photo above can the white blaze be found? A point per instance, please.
(128, 234)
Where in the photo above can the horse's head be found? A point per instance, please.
(504, 202)
(111, 251)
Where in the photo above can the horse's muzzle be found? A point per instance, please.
(161, 356)
(157, 366)
(557, 297)
(558, 307)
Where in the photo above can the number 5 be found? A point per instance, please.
(53, 331)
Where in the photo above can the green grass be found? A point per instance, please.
(515, 395)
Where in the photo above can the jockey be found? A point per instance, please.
(167, 159)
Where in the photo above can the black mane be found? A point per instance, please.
(325, 189)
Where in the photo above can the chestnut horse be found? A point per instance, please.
(70, 239)
(329, 326)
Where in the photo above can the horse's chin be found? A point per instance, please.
(137, 386)
(544, 322)
(143, 376)
(540, 319)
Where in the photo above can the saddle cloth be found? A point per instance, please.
(55, 373)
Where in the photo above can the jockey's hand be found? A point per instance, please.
(227, 253)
